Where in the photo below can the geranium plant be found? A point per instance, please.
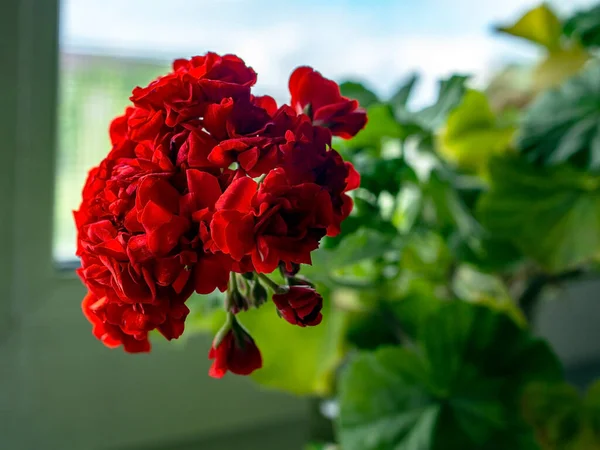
(210, 187)
(406, 298)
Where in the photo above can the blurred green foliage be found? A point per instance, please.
(468, 209)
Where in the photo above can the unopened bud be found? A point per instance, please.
(235, 302)
(258, 294)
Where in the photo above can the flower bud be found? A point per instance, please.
(258, 294)
(234, 350)
(235, 301)
(301, 306)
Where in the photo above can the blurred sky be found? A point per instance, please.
(375, 41)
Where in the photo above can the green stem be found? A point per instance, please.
(529, 299)
(233, 285)
(276, 288)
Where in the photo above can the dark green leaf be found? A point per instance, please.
(564, 124)
(551, 215)
(458, 390)
(412, 311)
(358, 91)
(490, 254)
(592, 409)
(368, 330)
(378, 175)
(585, 26)
(555, 412)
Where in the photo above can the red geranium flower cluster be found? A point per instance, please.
(206, 181)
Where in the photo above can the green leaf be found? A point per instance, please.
(491, 254)
(378, 175)
(450, 94)
(585, 27)
(412, 311)
(358, 91)
(296, 359)
(552, 215)
(561, 418)
(364, 245)
(402, 94)
(554, 410)
(558, 66)
(591, 406)
(485, 289)
(381, 125)
(368, 330)
(459, 389)
(472, 134)
(539, 25)
(449, 209)
(564, 124)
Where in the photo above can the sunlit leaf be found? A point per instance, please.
(473, 134)
(459, 389)
(552, 215)
(558, 66)
(539, 25)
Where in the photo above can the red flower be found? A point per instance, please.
(301, 306)
(306, 157)
(322, 100)
(173, 208)
(194, 84)
(236, 352)
(273, 223)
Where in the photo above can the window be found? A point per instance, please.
(108, 47)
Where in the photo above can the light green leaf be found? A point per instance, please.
(358, 91)
(558, 66)
(564, 124)
(296, 359)
(539, 25)
(459, 389)
(551, 215)
(472, 134)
